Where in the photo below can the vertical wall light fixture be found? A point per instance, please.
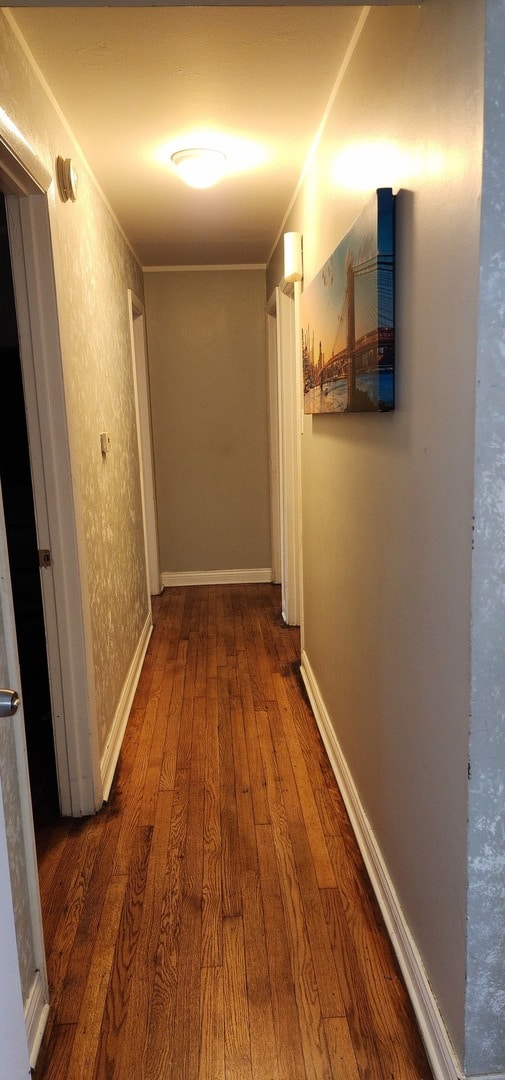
(293, 261)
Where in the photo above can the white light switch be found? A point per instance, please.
(105, 442)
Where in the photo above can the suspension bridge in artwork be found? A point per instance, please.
(358, 376)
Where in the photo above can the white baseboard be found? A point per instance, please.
(36, 1013)
(436, 1039)
(217, 577)
(113, 746)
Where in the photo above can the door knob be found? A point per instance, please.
(9, 701)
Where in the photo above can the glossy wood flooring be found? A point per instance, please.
(214, 921)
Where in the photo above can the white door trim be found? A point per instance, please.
(284, 306)
(21, 171)
(56, 511)
(145, 440)
(273, 431)
(63, 590)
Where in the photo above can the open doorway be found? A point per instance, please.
(16, 480)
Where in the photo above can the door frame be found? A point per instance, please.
(25, 182)
(274, 444)
(142, 396)
(284, 366)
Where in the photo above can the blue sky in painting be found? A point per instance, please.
(323, 302)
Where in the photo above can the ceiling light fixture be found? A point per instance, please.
(200, 167)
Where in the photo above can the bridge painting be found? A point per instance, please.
(348, 348)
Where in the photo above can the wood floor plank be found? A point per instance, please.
(306, 991)
(243, 793)
(136, 789)
(211, 670)
(211, 1064)
(172, 715)
(92, 1001)
(324, 868)
(237, 1046)
(255, 762)
(186, 1035)
(60, 943)
(57, 1052)
(157, 1053)
(262, 1036)
(212, 940)
(91, 915)
(343, 1060)
(215, 920)
(145, 964)
(50, 847)
(230, 841)
(118, 990)
(286, 1022)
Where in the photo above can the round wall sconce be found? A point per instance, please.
(199, 167)
(67, 179)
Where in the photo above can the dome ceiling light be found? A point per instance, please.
(199, 167)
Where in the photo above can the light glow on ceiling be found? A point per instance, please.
(382, 163)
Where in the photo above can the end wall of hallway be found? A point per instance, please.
(207, 362)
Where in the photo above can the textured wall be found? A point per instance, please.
(95, 338)
(485, 1048)
(206, 335)
(387, 500)
(94, 268)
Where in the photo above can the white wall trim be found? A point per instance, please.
(196, 269)
(36, 1013)
(113, 746)
(436, 1039)
(142, 392)
(216, 577)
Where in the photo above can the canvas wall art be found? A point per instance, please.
(347, 312)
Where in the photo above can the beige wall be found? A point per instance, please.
(387, 499)
(206, 340)
(94, 267)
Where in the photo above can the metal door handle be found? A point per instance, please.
(9, 701)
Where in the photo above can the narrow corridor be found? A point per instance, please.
(215, 920)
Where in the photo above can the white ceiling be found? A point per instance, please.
(136, 83)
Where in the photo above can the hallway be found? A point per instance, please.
(215, 921)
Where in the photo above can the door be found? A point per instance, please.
(289, 410)
(19, 892)
(12, 1029)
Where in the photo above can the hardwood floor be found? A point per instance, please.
(215, 920)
